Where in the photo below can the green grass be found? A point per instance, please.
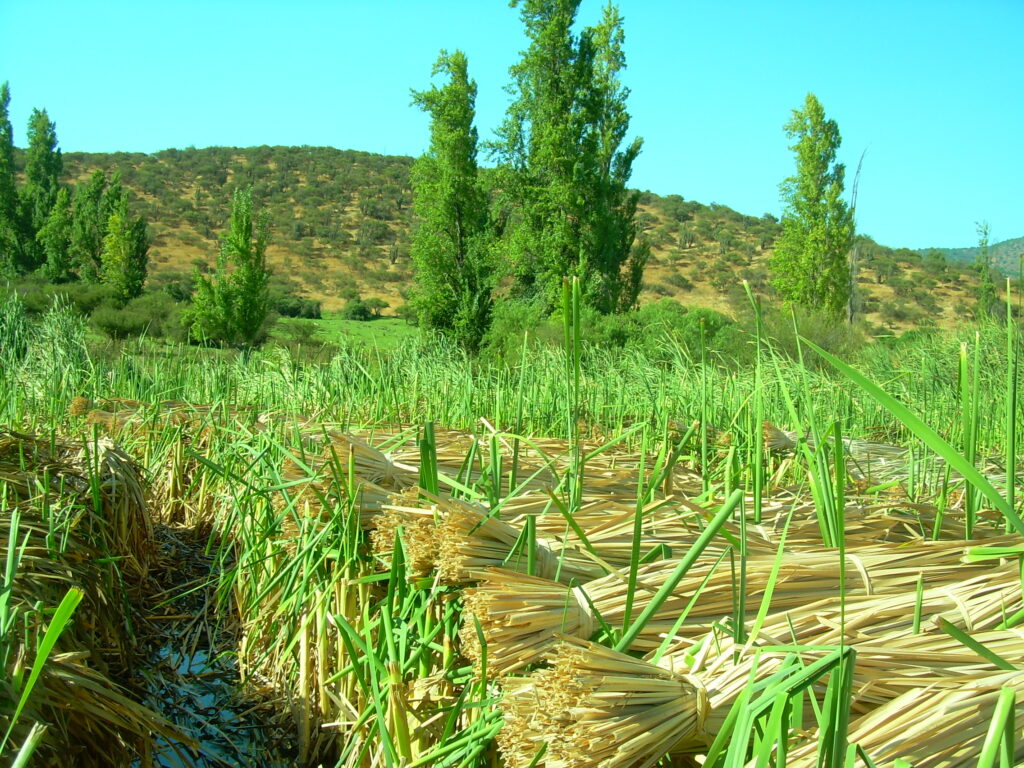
(383, 333)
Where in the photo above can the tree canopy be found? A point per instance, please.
(452, 243)
(811, 259)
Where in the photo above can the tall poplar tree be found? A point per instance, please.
(986, 294)
(43, 166)
(811, 259)
(94, 203)
(231, 307)
(562, 169)
(10, 228)
(125, 254)
(452, 246)
(55, 239)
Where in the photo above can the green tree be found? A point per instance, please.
(94, 204)
(43, 166)
(451, 247)
(811, 259)
(986, 290)
(232, 306)
(562, 169)
(125, 254)
(55, 239)
(10, 247)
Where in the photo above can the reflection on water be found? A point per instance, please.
(198, 693)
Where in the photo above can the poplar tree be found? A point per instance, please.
(125, 253)
(232, 307)
(92, 208)
(811, 258)
(986, 294)
(562, 169)
(43, 166)
(451, 247)
(9, 223)
(55, 239)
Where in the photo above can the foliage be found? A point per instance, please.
(356, 309)
(119, 323)
(290, 305)
(55, 239)
(43, 166)
(811, 260)
(14, 328)
(452, 243)
(232, 306)
(562, 170)
(9, 220)
(95, 202)
(986, 291)
(125, 254)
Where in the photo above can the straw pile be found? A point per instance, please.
(520, 615)
(930, 727)
(346, 471)
(872, 462)
(74, 515)
(584, 703)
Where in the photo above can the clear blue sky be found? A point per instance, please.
(933, 91)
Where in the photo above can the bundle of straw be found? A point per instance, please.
(96, 476)
(519, 616)
(870, 461)
(56, 537)
(458, 539)
(565, 709)
(930, 727)
(347, 470)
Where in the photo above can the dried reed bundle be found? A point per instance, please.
(597, 707)
(407, 511)
(928, 726)
(91, 722)
(96, 476)
(976, 603)
(519, 616)
(324, 484)
(470, 539)
(873, 462)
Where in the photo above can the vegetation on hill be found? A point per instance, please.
(1005, 256)
(700, 253)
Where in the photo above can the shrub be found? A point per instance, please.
(356, 309)
(163, 315)
(120, 323)
(679, 281)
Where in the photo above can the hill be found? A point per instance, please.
(1006, 256)
(342, 219)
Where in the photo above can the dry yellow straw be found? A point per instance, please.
(586, 730)
(518, 615)
(929, 727)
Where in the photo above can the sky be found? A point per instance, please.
(928, 96)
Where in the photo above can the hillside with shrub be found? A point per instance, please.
(341, 223)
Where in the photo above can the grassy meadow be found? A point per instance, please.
(397, 555)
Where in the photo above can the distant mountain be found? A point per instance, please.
(1005, 255)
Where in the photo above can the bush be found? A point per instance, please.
(511, 320)
(356, 309)
(831, 334)
(161, 312)
(120, 323)
(288, 305)
(679, 281)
